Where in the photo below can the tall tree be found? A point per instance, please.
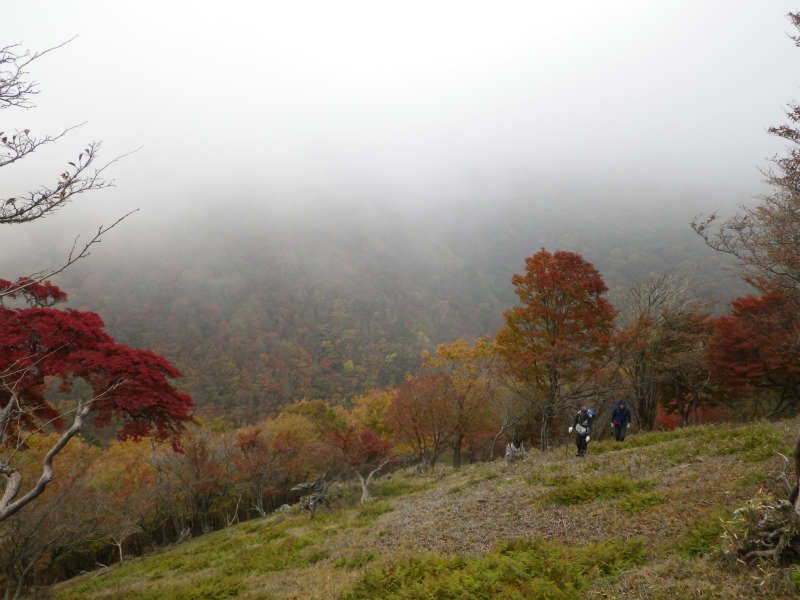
(468, 367)
(639, 341)
(557, 339)
(684, 378)
(420, 415)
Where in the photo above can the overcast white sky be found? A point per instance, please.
(417, 101)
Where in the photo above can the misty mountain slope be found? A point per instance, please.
(642, 519)
(260, 313)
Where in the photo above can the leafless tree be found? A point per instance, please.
(642, 313)
(80, 175)
(766, 238)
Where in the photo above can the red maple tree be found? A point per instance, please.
(757, 346)
(39, 344)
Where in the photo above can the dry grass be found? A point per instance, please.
(691, 478)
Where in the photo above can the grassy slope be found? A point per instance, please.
(636, 520)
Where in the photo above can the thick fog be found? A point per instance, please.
(276, 110)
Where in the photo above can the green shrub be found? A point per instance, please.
(598, 488)
(523, 569)
(638, 501)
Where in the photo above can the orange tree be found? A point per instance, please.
(420, 415)
(557, 339)
(469, 368)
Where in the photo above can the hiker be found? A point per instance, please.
(582, 426)
(620, 420)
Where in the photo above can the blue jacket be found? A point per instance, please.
(621, 414)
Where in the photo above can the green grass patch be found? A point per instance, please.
(371, 511)
(355, 562)
(208, 588)
(554, 481)
(702, 536)
(758, 454)
(597, 488)
(482, 478)
(639, 501)
(753, 441)
(229, 555)
(528, 569)
(641, 440)
(391, 488)
(752, 479)
(266, 557)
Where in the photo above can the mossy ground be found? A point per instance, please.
(641, 519)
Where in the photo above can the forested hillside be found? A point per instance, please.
(261, 313)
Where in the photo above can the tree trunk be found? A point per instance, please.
(494, 441)
(260, 502)
(432, 458)
(457, 443)
(367, 481)
(796, 492)
(544, 433)
(364, 481)
(647, 405)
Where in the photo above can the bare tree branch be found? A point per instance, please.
(76, 253)
(15, 90)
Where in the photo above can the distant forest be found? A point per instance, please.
(259, 311)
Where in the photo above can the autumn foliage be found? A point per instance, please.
(131, 387)
(560, 333)
(114, 384)
(757, 347)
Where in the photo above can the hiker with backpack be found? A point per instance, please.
(582, 426)
(620, 420)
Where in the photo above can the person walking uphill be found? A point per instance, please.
(621, 420)
(582, 426)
